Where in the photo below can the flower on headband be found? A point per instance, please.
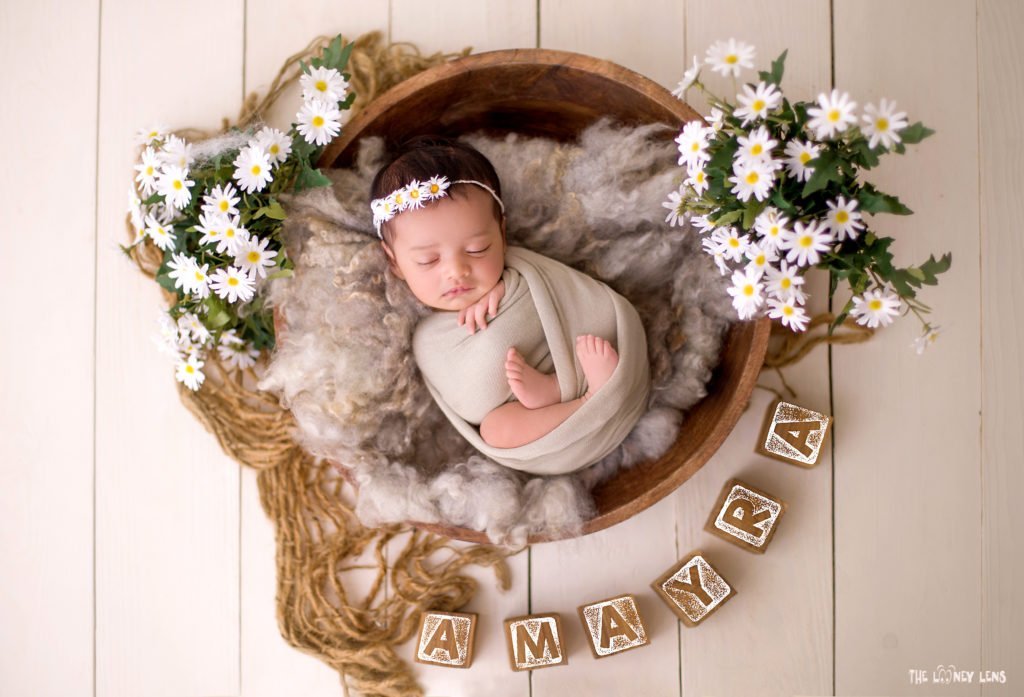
(416, 194)
(436, 187)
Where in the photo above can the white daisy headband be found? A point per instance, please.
(417, 193)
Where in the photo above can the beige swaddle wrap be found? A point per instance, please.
(546, 306)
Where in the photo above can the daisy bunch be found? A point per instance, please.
(211, 213)
(778, 188)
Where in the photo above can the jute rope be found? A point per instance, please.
(319, 538)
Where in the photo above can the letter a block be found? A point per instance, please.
(745, 516)
(535, 641)
(794, 434)
(446, 639)
(693, 589)
(613, 625)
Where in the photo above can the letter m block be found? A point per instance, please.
(535, 641)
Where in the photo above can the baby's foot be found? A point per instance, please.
(598, 360)
(531, 387)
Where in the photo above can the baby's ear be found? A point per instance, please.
(391, 260)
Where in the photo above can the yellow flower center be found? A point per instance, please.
(757, 105)
(842, 217)
(773, 231)
(224, 205)
(189, 369)
(398, 199)
(318, 121)
(699, 177)
(787, 310)
(734, 242)
(759, 260)
(695, 147)
(256, 169)
(875, 305)
(160, 231)
(414, 194)
(149, 171)
(230, 232)
(199, 276)
(833, 115)
(254, 257)
(434, 188)
(805, 241)
(882, 124)
(232, 281)
(785, 283)
(748, 290)
(753, 178)
(177, 184)
(732, 58)
(805, 157)
(756, 149)
(274, 149)
(321, 85)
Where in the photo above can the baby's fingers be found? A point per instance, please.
(481, 315)
(492, 305)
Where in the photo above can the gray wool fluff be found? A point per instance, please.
(344, 366)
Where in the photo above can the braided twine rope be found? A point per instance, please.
(319, 539)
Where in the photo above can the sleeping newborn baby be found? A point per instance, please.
(539, 388)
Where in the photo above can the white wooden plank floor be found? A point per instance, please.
(137, 559)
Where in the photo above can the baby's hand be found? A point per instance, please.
(476, 314)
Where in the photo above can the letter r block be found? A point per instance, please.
(446, 639)
(793, 434)
(745, 516)
(693, 589)
(535, 641)
(613, 625)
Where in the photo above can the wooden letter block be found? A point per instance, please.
(793, 434)
(693, 589)
(745, 516)
(535, 641)
(613, 625)
(446, 639)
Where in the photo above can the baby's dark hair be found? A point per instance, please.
(426, 156)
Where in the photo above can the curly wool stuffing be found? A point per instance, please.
(344, 364)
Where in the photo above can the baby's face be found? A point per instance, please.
(451, 253)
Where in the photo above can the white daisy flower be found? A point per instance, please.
(230, 336)
(233, 236)
(173, 184)
(697, 179)
(882, 123)
(253, 257)
(746, 292)
(238, 355)
(760, 258)
(727, 57)
(716, 119)
(252, 169)
(232, 284)
(147, 136)
(791, 315)
(751, 178)
(275, 143)
(799, 153)
(783, 282)
(756, 146)
(166, 339)
(688, 79)
(711, 247)
(806, 242)
(177, 153)
(702, 223)
(843, 218)
(136, 214)
(832, 116)
(416, 193)
(222, 200)
(770, 224)
(318, 121)
(325, 84)
(212, 226)
(199, 282)
(436, 187)
(922, 342)
(189, 372)
(189, 323)
(757, 102)
(676, 208)
(162, 235)
(730, 243)
(875, 308)
(148, 170)
(693, 144)
(181, 267)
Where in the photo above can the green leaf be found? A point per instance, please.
(728, 218)
(826, 169)
(310, 178)
(933, 267)
(866, 156)
(216, 316)
(778, 67)
(283, 273)
(915, 133)
(751, 212)
(874, 201)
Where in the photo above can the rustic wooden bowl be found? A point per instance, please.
(557, 94)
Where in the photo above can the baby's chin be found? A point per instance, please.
(456, 303)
